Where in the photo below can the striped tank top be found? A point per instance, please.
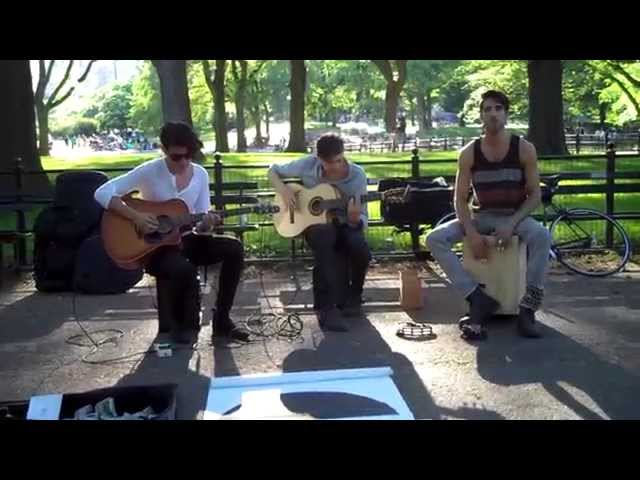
(498, 185)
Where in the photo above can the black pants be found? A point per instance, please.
(341, 256)
(178, 265)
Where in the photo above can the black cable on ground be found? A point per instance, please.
(116, 334)
(261, 325)
(274, 324)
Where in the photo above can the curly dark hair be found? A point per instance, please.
(499, 97)
(179, 134)
(329, 145)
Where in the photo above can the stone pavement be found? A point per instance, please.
(586, 366)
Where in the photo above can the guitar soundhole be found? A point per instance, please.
(315, 206)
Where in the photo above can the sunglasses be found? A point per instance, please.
(176, 157)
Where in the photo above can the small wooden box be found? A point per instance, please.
(410, 290)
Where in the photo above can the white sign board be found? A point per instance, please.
(44, 407)
(353, 394)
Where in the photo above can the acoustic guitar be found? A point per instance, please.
(316, 206)
(129, 248)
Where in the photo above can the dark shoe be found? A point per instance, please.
(481, 306)
(224, 327)
(353, 308)
(331, 319)
(233, 332)
(527, 326)
(470, 331)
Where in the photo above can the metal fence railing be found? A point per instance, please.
(607, 176)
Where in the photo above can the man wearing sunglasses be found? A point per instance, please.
(175, 176)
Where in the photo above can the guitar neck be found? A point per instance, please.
(340, 203)
(193, 218)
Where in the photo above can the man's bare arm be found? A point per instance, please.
(461, 201)
(461, 191)
(529, 160)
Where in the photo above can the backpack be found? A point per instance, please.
(425, 202)
(95, 272)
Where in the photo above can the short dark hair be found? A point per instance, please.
(179, 134)
(499, 97)
(329, 145)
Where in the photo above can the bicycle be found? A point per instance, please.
(584, 240)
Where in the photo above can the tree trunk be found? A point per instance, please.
(220, 123)
(602, 113)
(412, 111)
(428, 107)
(546, 126)
(421, 110)
(174, 90)
(393, 90)
(18, 129)
(43, 130)
(296, 106)
(391, 101)
(240, 97)
(257, 120)
(266, 119)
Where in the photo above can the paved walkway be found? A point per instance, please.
(586, 366)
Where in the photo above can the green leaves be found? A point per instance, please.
(146, 104)
(114, 107)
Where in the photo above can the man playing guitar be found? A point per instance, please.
(175, 176)
(337, 293)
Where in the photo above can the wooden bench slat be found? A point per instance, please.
(236, 186)
(232, 199)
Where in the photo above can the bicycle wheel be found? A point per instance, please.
(579, 240)
(446, 218)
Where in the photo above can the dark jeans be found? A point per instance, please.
(341, 255)
(178, 266)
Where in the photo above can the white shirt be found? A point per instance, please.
(156, 183)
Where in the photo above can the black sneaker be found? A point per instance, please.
(471, 331)
(527, 325)
(232, 331)
(353, 308)
(331, 319)
(481, 306)
(226, 328)
(184, 336)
